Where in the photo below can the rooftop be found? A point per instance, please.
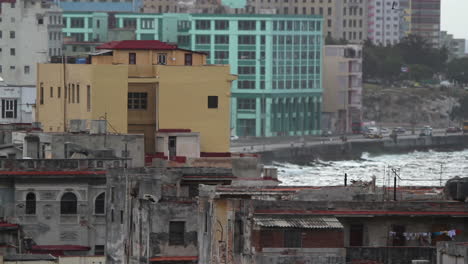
(137, 45)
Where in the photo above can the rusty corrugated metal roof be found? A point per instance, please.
(288, 221)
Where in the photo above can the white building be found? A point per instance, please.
(384, 21)
(30, 33)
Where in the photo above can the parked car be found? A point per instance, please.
(453, 130)
(399, 130)
(234, 137)
(373, 135)
(326, 133)
(426, 131)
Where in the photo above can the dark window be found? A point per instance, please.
(221, 24)
(176, 233)
(68, 204)
(88, 98)
(41, 96)
(12, 52)
(203, 24)
(246, 104)
(202, 39)
(59, 92)
(51, 91)
(9, 108)
(212, 101)
(266, 239)
(131, 58)
(78, 93)
(137, 100)
(247, 25)
(238, 236)
(356, 235)
(12, 34)
(99, 250)
(162, 58)
(221, 39)
(30, 204)
(292, 239)
(188, 59)
(399, 239)
(247, 39)
(99, 204)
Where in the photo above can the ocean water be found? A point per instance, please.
(431, 168)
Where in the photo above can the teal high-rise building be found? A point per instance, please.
(277, 59)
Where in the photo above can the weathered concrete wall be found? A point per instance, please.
(452, 253)
(391, 255)
(301, 255)
(302, 154)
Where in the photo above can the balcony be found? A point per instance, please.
(142, 71)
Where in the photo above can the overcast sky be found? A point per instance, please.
(455, 17)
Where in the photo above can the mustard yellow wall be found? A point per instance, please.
(144, 121)
(108, 87)
(104, 59)
(183, 103)
(148, 57)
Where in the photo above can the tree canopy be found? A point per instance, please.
(413, 52)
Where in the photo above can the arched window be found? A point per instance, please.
(31, 203)
(68, 204)
(99, 204)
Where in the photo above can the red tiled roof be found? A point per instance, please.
(185, 258)
(137, 45)
(59, 248)
(8, 226)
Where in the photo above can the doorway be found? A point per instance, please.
(172, 146)
(356, 235)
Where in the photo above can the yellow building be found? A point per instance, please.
(142, 87)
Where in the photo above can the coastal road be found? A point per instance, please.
(266, 144)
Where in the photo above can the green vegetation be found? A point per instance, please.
(458, 70)
(460, 112)
(385, 63)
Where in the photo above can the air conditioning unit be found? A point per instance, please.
(98, 127)
(77, 126)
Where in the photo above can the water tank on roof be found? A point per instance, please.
(80, 61)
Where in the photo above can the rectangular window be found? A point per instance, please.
(77, 22)
(26, 69)
(131, 58)
(162, 58)
(51, 92)
(203, 24)
(99, 250)
(221, 39)
(73, 93)
(292, 239)
(176, 233)
(12, 52)
(202, 39)
(41, 95)
(246, 103)
(12, 34)
(212, 101)
(247, 39)
(247, 25)
(246, 55)
(246, 70)
(188, 59)
(221, 55)
(221, 24)
(78, 93)
(59, 92)
(137, 101)
(9, 108)
(88, 98)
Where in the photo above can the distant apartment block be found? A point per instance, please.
(277, 58)
(342, 96)
(425, 20)
(100, 6)
(30, 33)
(384, 20)
(345, 19)
(456, 47)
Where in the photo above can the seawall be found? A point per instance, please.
(303, 154)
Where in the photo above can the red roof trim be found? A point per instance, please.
(174, 130)
(185, 258)
(53, 172)
(5, 224)
(60, 248)
(326, 212)
(209, 176)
